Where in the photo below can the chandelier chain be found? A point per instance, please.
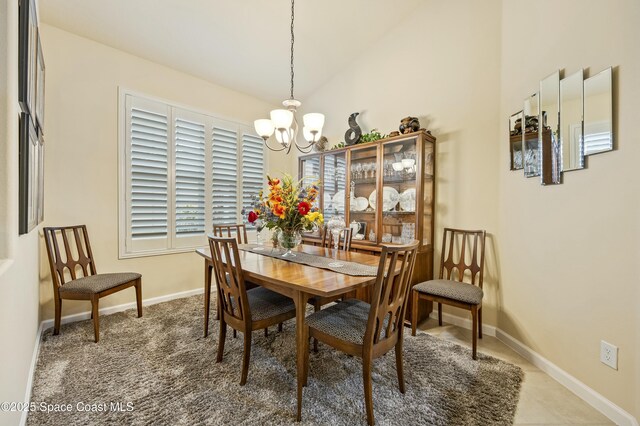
(292, 40)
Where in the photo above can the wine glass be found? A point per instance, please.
(335, 226)
(366, 167)
(359, 170)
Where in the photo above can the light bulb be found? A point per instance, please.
(264, 127)
(282, 118)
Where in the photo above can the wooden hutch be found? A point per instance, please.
(400, 167)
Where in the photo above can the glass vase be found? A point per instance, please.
(289, 239)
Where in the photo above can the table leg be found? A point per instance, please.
(207, 296)
(300, 299)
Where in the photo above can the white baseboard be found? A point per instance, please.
(466, 323)
(119, 308)
(615, 413)
(32, 370)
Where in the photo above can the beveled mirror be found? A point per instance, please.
(515, 140)
(548, 129)
(598, 113)
(571, 146)
(530, 137)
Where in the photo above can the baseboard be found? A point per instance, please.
(119, 308)
(487, 330)
(584, 392)
(32, 371)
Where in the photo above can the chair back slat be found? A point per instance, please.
(345, 238)
(67, 268)
(230, 282)
(390, 292)
(238, 231)
(472, 262)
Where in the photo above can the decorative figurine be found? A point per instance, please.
(321, 145)
(353, 135)
(394, 133)
(409, 125)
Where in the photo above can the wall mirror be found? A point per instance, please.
(530, 137)
(598, 113)
(515, 140)
(571, 147)
(548, 129)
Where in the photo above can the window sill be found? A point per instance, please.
(163, 252)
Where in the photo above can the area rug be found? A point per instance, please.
(159, 370)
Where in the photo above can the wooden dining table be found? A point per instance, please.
(297, 281)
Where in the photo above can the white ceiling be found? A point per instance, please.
(241, 44)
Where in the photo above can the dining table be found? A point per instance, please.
(298, 281)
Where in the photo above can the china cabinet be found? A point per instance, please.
(402, 169)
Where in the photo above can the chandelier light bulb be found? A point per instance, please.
(264, 128)
(313, 121)
(282, 119)
(311, 136)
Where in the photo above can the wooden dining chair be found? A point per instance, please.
(243, 310)
(238, 230)
(368, 330)
(75, 277)
(450, 288)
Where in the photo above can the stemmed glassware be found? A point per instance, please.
(359, 170)
(335, 226)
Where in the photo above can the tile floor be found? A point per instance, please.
(543, 401)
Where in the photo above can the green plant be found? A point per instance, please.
(372, 136)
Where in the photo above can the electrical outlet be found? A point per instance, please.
(609, 354)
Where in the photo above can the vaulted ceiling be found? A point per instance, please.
(241, 44)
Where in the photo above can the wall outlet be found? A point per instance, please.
(609, 354)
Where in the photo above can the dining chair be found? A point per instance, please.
(239, 230)
(75, 277)
(450, 288)
(329, 242)
(243, 310)
(368, 330)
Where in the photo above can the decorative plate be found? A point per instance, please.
(408, 200)
(338, 200)
(359, 204)
(389, 198)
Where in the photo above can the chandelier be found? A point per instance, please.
(283, 122)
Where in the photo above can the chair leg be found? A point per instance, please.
(440, 314)
(58, 314)
(139, 297)
(207, 298)
(414, 311)
(399, 367)
(246, 355)
(368, 391)
(266, 332)
(280, 328)
(474, 331)
(96, 318)
(480, 322)
(222, 337)
(235, 333)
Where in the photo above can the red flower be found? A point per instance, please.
(303, 208)
(253, 216)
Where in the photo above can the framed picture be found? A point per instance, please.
(31, 176)
(39, 101)
(27, 54)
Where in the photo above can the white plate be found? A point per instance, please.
(359, 204)
(408, 200)
(338, 200)
(389, 198)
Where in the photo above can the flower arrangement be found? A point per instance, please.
(288, 207)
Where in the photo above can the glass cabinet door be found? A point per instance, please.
(428, 192)
(400, 205)
(363, 174)
(334, 185)
(309, 169)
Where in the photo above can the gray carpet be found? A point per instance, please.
(166, 370)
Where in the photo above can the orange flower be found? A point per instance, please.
(279, 210)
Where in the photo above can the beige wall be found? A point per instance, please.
(18, 255)
(442, 65)
(569, 253)
(82, 151)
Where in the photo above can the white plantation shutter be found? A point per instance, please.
(224, 190)
(147, 174)
(190, 177)
(182, 172)
(253, 172)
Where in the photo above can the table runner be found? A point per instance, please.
(348, 268)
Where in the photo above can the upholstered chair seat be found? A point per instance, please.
(463, 292)
(98, 283)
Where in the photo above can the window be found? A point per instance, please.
(182, 171)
